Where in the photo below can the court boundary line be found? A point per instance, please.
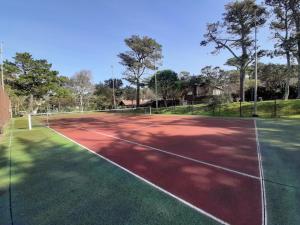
(11, 137)
(177, 155)
(145, 180)
(262, 183)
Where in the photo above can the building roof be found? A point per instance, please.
(133, 102)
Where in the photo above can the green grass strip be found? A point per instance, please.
(280, 146)
(265, 109)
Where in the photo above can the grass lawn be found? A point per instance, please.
(290, 108)
(56, 182)
(280, 146)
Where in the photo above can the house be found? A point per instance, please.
(202, 91)
(132, 103)
(207, 90)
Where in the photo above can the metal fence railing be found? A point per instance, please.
(265, 109)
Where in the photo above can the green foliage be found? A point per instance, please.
(129, 93)
(283, 27)
(234, 34)
(143, 54)
(114, 83)
(213, 76)
(32, 77)
(104, 96)
(272, 75)
(166, 83)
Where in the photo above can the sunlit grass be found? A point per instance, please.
(265, 109)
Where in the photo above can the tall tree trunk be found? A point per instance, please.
(287, 81)
(138, 93)
(31, 103)
(242, 84)
(298, 57)
(81, 103)
(165, 102)
(296, 16)
(243, 71)
(298, 88)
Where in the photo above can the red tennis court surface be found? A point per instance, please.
(210, 163)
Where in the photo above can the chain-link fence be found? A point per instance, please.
(265, 109)
(4, 108)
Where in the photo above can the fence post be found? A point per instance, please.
(48, 125)
(29, 121)
(275, 108)
(241, 108)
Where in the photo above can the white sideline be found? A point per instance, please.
(262, 183)
(11, 136)
(146, 181)
(177, 155)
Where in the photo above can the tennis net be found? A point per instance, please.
(45, 119)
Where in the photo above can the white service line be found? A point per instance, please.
(146, 181)
(262, 183)
(174, 154)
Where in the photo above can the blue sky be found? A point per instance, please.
(78, 34)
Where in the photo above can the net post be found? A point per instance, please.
(150, 110)
(29, 121)
(47, 116)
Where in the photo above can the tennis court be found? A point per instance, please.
(209, 164)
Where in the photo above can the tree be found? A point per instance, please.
(282, 25)
(213, 76)
(166, 83)
(116, 83)
(295, 7)
(81, 83)
(115, 86)
(63, 99)
(104, 95)
(272, 76)
(234, 34)
(183, 84)
(129, 93)
(31, 77)
(147, 93)
(143, 55)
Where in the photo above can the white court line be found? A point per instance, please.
(177, 155)
(146, 181)
(262, 183)
(11, 136)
